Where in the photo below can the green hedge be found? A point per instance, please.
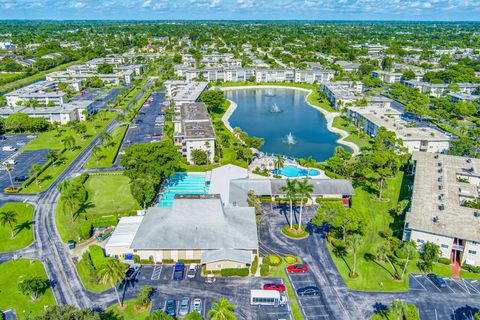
(254, 266)
(231, 272)
(168, 261)
(98, 256)
(105, 221)
(321, 200)
(274, 260)
(85, 230)
(264, 269)
(188, 261)
(443, 260)
(471, 268)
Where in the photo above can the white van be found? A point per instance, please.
(9, 148)
(192, 271)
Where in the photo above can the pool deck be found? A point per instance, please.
(329, 116)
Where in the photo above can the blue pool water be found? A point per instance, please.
(293, 172)
(182, 183)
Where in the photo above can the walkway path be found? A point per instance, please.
(329, 116)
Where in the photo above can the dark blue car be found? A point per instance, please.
(171, 307)
(178, 271)
(439, 282)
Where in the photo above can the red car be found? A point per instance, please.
(273, 286)
(296, 268)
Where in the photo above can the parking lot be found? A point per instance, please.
(148, 124)
(462, 287)
(313, 307)
(236, 290)
(23, 160)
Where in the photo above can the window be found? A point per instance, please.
(472, 251)
(444, 246)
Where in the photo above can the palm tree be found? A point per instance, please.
(9, 169)
(278, 162)
(69, 142)
(112, 273)
(354, 242)
(69, 194)
(8, 217)
(52, 156)
(222, 310)
(410, 248)
(304, 189)
(35, 171)
(290, 189)
(95, 151)
(105, 138)
(398, 309)
(383, 252)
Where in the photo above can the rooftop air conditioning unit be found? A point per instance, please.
(441, 207)
(476, 214)
(436, 156)
(435, 219)
(441, 197)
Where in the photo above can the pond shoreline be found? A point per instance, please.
(329, 116)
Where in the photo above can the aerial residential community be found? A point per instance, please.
(239, 160)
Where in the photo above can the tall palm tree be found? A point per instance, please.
(410, 248)
(354, 242)
(52, 156)
(279, 162)
(69, 194)
(35, 171)
(383, 252)
(304, 189)
(105, 138)
(9, 169)
(95, 151)
(112, 273)
(8, 217)
(222, 310)
(290, 189)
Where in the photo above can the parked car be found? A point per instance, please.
(296, 268)
(184, 307)
(197, 305)
(192, 271)
(9, 148)
(178, 271)
(20, 178)
(3, 138)
(171, 307)
(437, 280)
(274, 286)
(308, 291)
(133, 271)
(11, 162)
(210, 278)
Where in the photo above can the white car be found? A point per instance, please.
(9, 148)
(197, 306)
(192, 271)
(11, 162)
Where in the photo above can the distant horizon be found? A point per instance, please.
(245, 20)
(242, 10)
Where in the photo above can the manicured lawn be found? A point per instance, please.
(108, 196)
(411, 313)
(6, 77)
(314, 98)
(128, 312)
(90, 284)
(279, 272)
(361, 141)
(53, 140)
(107, 155)
(11, 273)
(23, 229)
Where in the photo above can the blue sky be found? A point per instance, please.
(243, 9)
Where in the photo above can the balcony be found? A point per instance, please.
(458, 247)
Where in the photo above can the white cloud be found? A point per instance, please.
(79, 5)
(245, 3)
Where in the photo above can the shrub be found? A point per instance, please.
(443, 260)
(98, 256)
(274, 260)
(144, 261)
(231, 272)
(254, 266)
(400, 253)
(323, 200)
(85, 230)
(87, 261)
(136, 258)
(293, 233)
(106, 221)
(471, 268)
(188, 261)
(290, 259)
(167, 261)
(143, 298)
(264, 269)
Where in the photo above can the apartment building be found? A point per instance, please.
(443, 184)
(72, 111)
(193, 130)
(181, 91)
(43, 92)
(387, 76)
(371, 118)
(313, 76)
(343, 92)
(439, 90)
(275, 75)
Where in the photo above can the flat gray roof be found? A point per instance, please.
(226, 254)
(197, 222)
(436, 187)
(220, 180)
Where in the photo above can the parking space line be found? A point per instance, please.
(449, 287)
(157, 270)
(469, 287)
(415, 278)
(434, 285)
(316, 306)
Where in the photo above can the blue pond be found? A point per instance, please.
(273, 113)
(294, 171)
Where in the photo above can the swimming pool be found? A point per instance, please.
(294, 172)
(182, 183)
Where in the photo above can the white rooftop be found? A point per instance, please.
(125, 232)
